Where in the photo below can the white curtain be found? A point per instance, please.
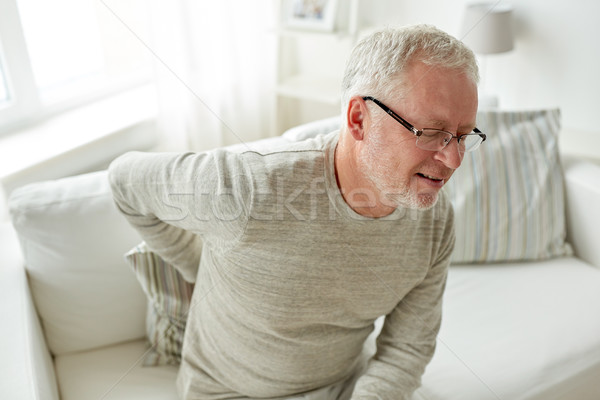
(215, 66)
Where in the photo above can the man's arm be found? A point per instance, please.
(172, 200)
(407, 341)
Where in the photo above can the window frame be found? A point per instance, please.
(25, 107)
(24, 101)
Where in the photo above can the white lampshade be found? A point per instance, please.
(487, 28)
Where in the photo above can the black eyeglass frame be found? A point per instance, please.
(419, 132)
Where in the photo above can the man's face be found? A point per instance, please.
(403, 174)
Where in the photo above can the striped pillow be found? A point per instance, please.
(508, 195)
(169, 297)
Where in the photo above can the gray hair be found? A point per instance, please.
(377, 62)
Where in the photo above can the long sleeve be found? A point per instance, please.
(172, 200)
(407, 341)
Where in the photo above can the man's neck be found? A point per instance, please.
(357, 190)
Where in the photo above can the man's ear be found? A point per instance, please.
(355, 117)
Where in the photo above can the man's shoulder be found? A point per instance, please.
(283, 146)
(284, 156)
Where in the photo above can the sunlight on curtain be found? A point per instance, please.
(216, 71)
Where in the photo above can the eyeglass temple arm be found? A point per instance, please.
(392, 114)
(406, 124)
(481, 134)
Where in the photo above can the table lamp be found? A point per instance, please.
(487, 29)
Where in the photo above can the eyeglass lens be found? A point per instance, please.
(435, 140)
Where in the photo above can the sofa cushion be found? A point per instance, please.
(169, 297)
(508, 196)
(518, 331)
(114, 373)
(73, 240)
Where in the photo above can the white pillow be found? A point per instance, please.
(508, 195)
(73, 240)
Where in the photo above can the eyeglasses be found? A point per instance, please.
(435, 139)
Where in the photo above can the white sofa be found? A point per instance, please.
(73, 314)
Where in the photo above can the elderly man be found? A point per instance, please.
(300, 249)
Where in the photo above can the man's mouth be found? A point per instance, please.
(432, 180)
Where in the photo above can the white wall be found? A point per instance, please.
(556, 61)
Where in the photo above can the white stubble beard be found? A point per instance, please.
(398, 194)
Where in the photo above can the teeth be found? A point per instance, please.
(431, 177)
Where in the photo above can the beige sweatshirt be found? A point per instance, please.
(289, 279)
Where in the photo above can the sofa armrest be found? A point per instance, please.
(26, 365)
(582, 184)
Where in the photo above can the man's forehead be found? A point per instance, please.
(436, 98)
(435, 122)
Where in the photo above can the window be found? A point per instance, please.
(63, 53)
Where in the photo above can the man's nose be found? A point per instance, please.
(450, 155)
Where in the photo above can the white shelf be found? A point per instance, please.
(323, 89)
(310, 64)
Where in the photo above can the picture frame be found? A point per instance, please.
(315, 15)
